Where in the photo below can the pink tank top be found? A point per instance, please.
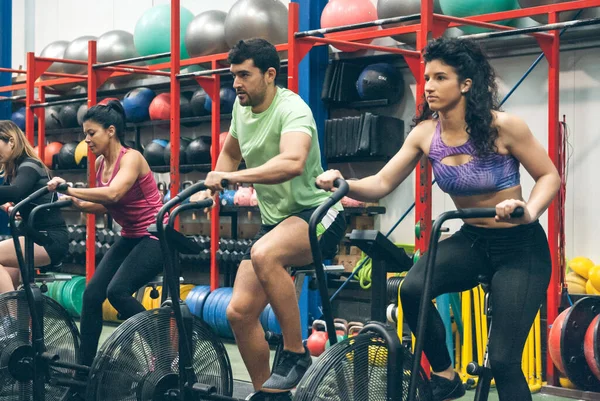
(138, 208)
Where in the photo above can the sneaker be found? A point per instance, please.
(260, 396)
(446, 390)
(288, 372)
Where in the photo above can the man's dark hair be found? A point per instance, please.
(259, 50)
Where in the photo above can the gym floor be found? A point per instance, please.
(243, 387)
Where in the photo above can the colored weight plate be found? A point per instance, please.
(574, 328)
(227, 330)
(208, 311)
(184, 290)
(190, 300)
(591, 346)
(203, 294)
(73, 295)
(219, 316)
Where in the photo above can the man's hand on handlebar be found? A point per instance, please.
(325, 180)
(506, 207)
(214, 181)
(54, 183)
(200, 196)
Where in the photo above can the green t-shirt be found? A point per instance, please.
(259, 136)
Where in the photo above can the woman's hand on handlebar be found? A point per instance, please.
(54, 183)
(506, 207)
(325, 180)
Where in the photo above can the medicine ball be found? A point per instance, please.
(198, 151)
(136, 104)
(183, 144)
(160, 107)
(197, 103)
(68, 116)
(81, 152)
(52, 120)
(51, 150)
(81, 112)
(18, 117)
(227, 98)
(380, 81)
(66, 156)
(154, 152)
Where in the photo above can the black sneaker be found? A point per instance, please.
(261, 396)
(446, 390)
(288, 372)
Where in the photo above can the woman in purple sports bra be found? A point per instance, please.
(125, 188)
(475, 151)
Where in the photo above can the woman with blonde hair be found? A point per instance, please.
(24, 173)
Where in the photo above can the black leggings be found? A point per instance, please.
(129, 264)
(518, 260)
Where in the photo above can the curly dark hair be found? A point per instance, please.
(469, 61)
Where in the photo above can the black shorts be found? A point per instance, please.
(331, 230)
(59, 246)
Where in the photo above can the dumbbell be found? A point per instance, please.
(203, 241)
(77, 247)
(106, 236)
(76, 233)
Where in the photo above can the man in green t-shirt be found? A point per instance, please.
(274, 131)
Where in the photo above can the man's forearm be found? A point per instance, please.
(275, 171)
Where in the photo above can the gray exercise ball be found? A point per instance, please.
(77, 50)
(543, 18)
(56, 50)
(266, 19)
(205, 34)
(51, 120)
(81, 112)
(117, 45)
(401, 8)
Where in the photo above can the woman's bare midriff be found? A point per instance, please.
(488, 200)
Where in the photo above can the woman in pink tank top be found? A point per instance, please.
(125, 189)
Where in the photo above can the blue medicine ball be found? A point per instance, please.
(380, 81)
(227, 95)
(18, 117)
(136, 104)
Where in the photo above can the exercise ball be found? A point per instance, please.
(81, 152)
(117, 45)
(183, 144)
(197, 103)
(346, 12)
(543, 18)
(52, 119)
(402, 8)
(154, 152)
(18, 117)
(266, 19)
(50, 151)
(105, 101)
(152, 33)
(68, 116)
(198, 151)
(81, 112)
(205, 34)
(581, 265)
(66, 156)
(227, 99)
(77, 50)
(56, 50)
(185, 108)
(136, 104)
(380, 81)
(467, 8)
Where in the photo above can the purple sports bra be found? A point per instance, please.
(480, 175)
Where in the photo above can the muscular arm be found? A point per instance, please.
(294, 148)
(375, 187)
(521, 143)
